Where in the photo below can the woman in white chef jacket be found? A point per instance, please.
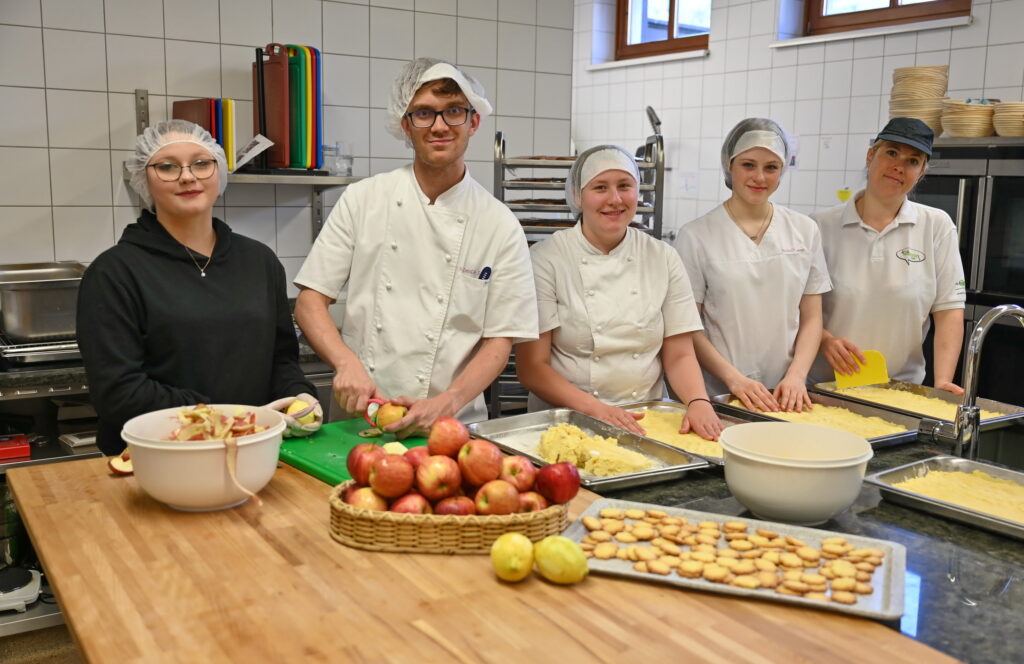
(894, 263)
(615, 307)
(757, 273)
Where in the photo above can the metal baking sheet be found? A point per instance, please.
(911, 422)
(1008, 412)
(887, 478)
(520, 434)
(672, 406)
(885, 603)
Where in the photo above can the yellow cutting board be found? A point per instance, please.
(872, 372)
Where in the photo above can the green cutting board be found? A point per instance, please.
(323, 454)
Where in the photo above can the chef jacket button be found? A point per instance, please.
(379, 327)
(388, 285)
(635, 355)
(440, 298)
(398, 203)
(429, 336)
(371, 367)
(584, 261)
(394, 245)
(597, 358)
(629, 259)
(461, 220)
(590, 292)
(448, 257)
(633, 393)
(419, 378)
(634, 291)
(594, 393)
(598, 328)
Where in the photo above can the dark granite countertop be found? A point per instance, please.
(964, 586)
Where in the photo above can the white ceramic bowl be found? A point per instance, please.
(797, 473)
(193, 475)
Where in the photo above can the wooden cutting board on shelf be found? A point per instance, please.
(323, 454)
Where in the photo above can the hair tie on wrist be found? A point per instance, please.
(699, 399)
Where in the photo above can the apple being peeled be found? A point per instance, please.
(389, 413)
(455, 505)
(367, 498)
(412, 503)
(497, 497)
(438, 477)
(519, 472)
(416, 455)
(559, 482)
(392, 475)
(480, 462)
(361, 459)
(447, 436)
(531, 501)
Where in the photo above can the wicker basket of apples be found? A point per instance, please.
(455, 495)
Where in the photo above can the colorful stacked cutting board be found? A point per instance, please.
(323, 454)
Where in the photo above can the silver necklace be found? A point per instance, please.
(760, 229)
(202, 270)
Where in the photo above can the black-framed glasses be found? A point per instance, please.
(201, 169)
(453, 117)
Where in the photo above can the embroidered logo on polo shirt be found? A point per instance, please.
(909, 255)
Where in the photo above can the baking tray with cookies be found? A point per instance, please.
(889, 485)
(664, 428)
(745, 558)
(521, 434)
(908, 424)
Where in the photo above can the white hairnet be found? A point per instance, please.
(155, 137)
(592, 163)
(754, 133)
(424, 70)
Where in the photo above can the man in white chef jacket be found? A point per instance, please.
(437, 270)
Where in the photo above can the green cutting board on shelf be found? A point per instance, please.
(323, 454)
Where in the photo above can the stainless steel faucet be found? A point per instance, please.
(966, 427)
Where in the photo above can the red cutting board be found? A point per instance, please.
(323, 454)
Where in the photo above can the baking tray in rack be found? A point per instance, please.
(886, 480)
(520, 434)
(1008, 412)
(911, 422)
(884, 603)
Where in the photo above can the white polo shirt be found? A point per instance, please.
(610, 313)
(751, 293)
(887, 283)
(425, 282)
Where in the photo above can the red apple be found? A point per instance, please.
(455, 505)
(438, 477)
(497, 497)
(447, 436)
(531, 501)
(348, 492)
(480, 462)
(392, 475)
(412, 503)
(360, 459)
(519, 472)
(367, 498)
(559, 482)
(416, 455)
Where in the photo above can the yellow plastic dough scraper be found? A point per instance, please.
(872, 372)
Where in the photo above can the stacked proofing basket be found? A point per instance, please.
(918, 92)
(967, 118)
(1008, 118)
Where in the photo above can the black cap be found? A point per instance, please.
(909, 131)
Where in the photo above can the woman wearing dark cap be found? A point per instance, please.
(893, 263)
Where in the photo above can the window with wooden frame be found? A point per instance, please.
(656, 27)
(825, 16)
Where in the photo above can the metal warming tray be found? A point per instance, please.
(520, 434)
(38, 301)
(887, 478)
(885, 603)
(671, 406)
(911, 422)
(1008, 412)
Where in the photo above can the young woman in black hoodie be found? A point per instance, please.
(182, 310)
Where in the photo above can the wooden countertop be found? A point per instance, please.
(140, 582)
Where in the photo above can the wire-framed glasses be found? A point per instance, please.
(169, 172)
(453, 117)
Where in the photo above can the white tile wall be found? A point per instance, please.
(68, 70)
(832, 97)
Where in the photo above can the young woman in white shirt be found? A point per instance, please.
(757, 273)
(895, 265)
(615, 308)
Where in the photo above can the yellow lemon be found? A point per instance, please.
(389, 413)
(560, 560)
(512, 556)
(298, 405)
